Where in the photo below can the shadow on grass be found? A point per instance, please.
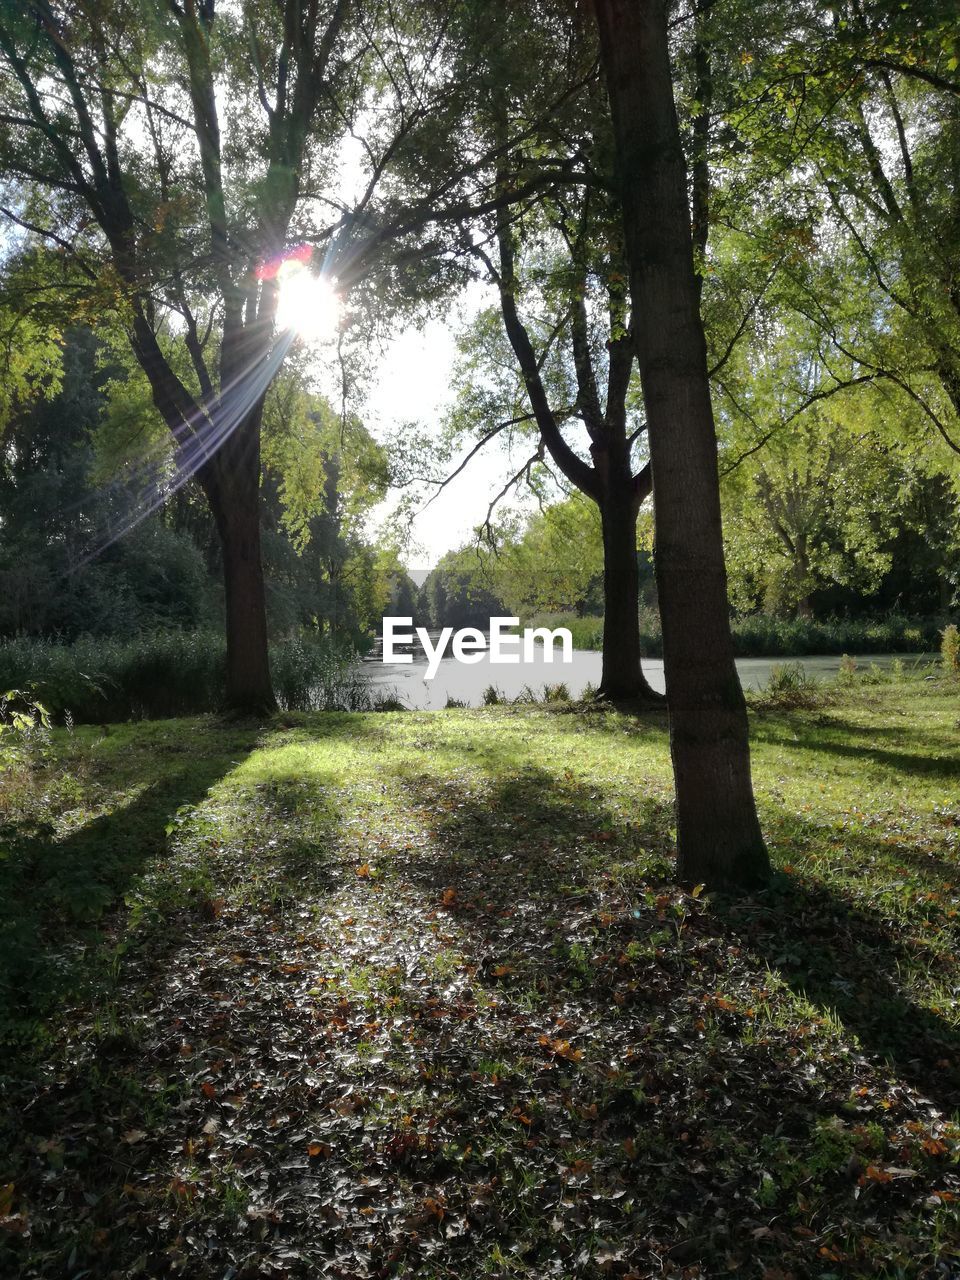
(853, 961)
(56, 891)
(529, 846)
(905, 750)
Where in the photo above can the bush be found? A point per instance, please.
(173, 673)
(763, 635)
(789, 685)
(950, 649)
(24, 727)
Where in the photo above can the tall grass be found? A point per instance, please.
(760, 635)
(172, 673)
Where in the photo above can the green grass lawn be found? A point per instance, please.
(412, 995)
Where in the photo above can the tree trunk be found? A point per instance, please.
(232, 486)
(718, 835)
(622, 676)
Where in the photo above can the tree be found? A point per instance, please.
(553, 563)
(844, 122)
(177, 152)
(719, 840)
(111, 113)
(818, 507)
(590, 252)
(459, 592)
(54, 513)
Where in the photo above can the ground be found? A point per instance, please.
(413, 995)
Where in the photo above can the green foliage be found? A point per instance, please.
(57, 510)
(760, 635)
(461, 590)
(30, 345)
(24, 727)
(311, 674)
(822, 509)
(169, 673)
(763, 635)
(788, 685)
(553, 563)
(950, 649)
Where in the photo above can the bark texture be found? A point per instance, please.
(234, 497)
(718, 835)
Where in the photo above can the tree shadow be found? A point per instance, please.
(533, 871)
(57, 890)
(899, 750)
(858, 963)
(843, 957)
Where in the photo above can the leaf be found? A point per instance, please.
(209, 1089)
(434, 1207)
(6, 1198)
(133, 1135)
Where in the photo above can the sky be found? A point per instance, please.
(413, 383)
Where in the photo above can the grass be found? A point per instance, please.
(412, 994)
(762, 635)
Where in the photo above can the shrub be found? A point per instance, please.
(525, 696)
(763, 635)
(172, 673)
(950, 649)
(24, 726)
(789, 685)
(492, 696)
(848, 669)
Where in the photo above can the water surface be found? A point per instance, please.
(466, 684)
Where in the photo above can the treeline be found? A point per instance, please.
(810, 574)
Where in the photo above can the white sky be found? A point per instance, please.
(413, 383)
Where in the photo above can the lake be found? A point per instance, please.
(467, 683)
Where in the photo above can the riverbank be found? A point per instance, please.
(485, 683)
(761, 635)
(396, 994)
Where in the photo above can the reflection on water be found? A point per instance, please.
(466, 684)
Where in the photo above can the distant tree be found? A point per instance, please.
(818, 506)
(460, 592)
(323, 474)
(554, 562)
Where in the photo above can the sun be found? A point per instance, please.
(308, 304)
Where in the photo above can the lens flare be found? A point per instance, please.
(308, 308)
(308, 305)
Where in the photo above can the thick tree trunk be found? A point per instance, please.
(622, 676)
(718, 834)
(233, 490)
